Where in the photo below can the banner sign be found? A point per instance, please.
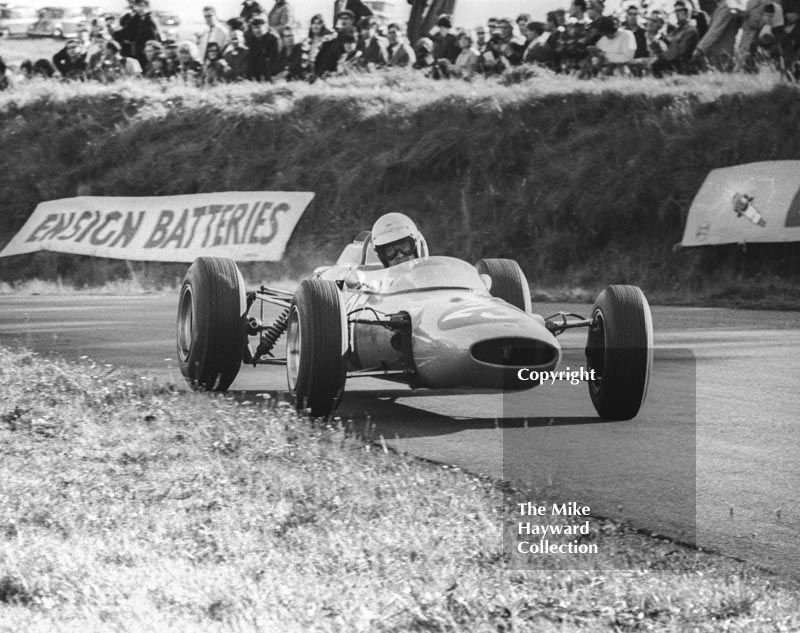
(757, 202)
(243, 225)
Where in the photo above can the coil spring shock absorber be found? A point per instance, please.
(271, 333)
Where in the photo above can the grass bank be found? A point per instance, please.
(584, 183)
(130, 506)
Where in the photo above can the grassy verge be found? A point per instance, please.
(584, 183)
(129, 506)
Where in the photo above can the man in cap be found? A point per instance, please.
(264, 48)
(70, 61)
(373, 47)
(445, 43)
(681, 44)
(356, 7)
(332, 49)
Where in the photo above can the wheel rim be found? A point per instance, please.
(185, 323)
(293, 345)
(596, 350)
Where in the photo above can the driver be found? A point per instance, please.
(396, 239)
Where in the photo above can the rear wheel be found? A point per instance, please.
(316, 346)
(619, 349)
(212, 330)
(508, 282)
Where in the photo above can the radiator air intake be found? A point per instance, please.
(514, 352)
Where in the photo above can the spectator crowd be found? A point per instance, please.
(585, 41)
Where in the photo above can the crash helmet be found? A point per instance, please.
(397, 239)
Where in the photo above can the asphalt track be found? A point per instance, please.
(712, 458)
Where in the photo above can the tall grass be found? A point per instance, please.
(130, 505)
(585, 183)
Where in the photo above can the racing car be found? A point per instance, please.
(434, 322)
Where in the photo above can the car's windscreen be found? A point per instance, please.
(424, 274)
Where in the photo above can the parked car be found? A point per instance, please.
(59, 22)
(15, 21)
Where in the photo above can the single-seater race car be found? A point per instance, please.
(431, 323)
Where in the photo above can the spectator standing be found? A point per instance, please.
(632, 25)
(237, 56)
(215, 31)
(716, 46)
(138, 30)
(373, 47)
(110, 24)
(250, 9)
(280, 16)
(264, 48)
(399, 51)
(681, 43)
(123, 33)
(215, 69)
(70, 61)
(481, 39)
(356, 7)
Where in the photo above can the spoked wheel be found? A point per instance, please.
(316, 347)
(211, 327)
(508, 282)
(619, 349)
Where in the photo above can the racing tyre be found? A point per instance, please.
(508, 282)
(619, 349)
(212, 327)
(316, 346)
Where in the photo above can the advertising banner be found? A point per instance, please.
(756, 202)
(243, 225)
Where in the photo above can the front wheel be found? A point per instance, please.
(619, 349)
(316, 346)
(212, 330)
(508, 282)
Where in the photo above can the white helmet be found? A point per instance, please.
(396, 239)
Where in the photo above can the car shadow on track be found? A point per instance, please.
(392, 419)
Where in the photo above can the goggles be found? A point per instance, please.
(406, 246)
